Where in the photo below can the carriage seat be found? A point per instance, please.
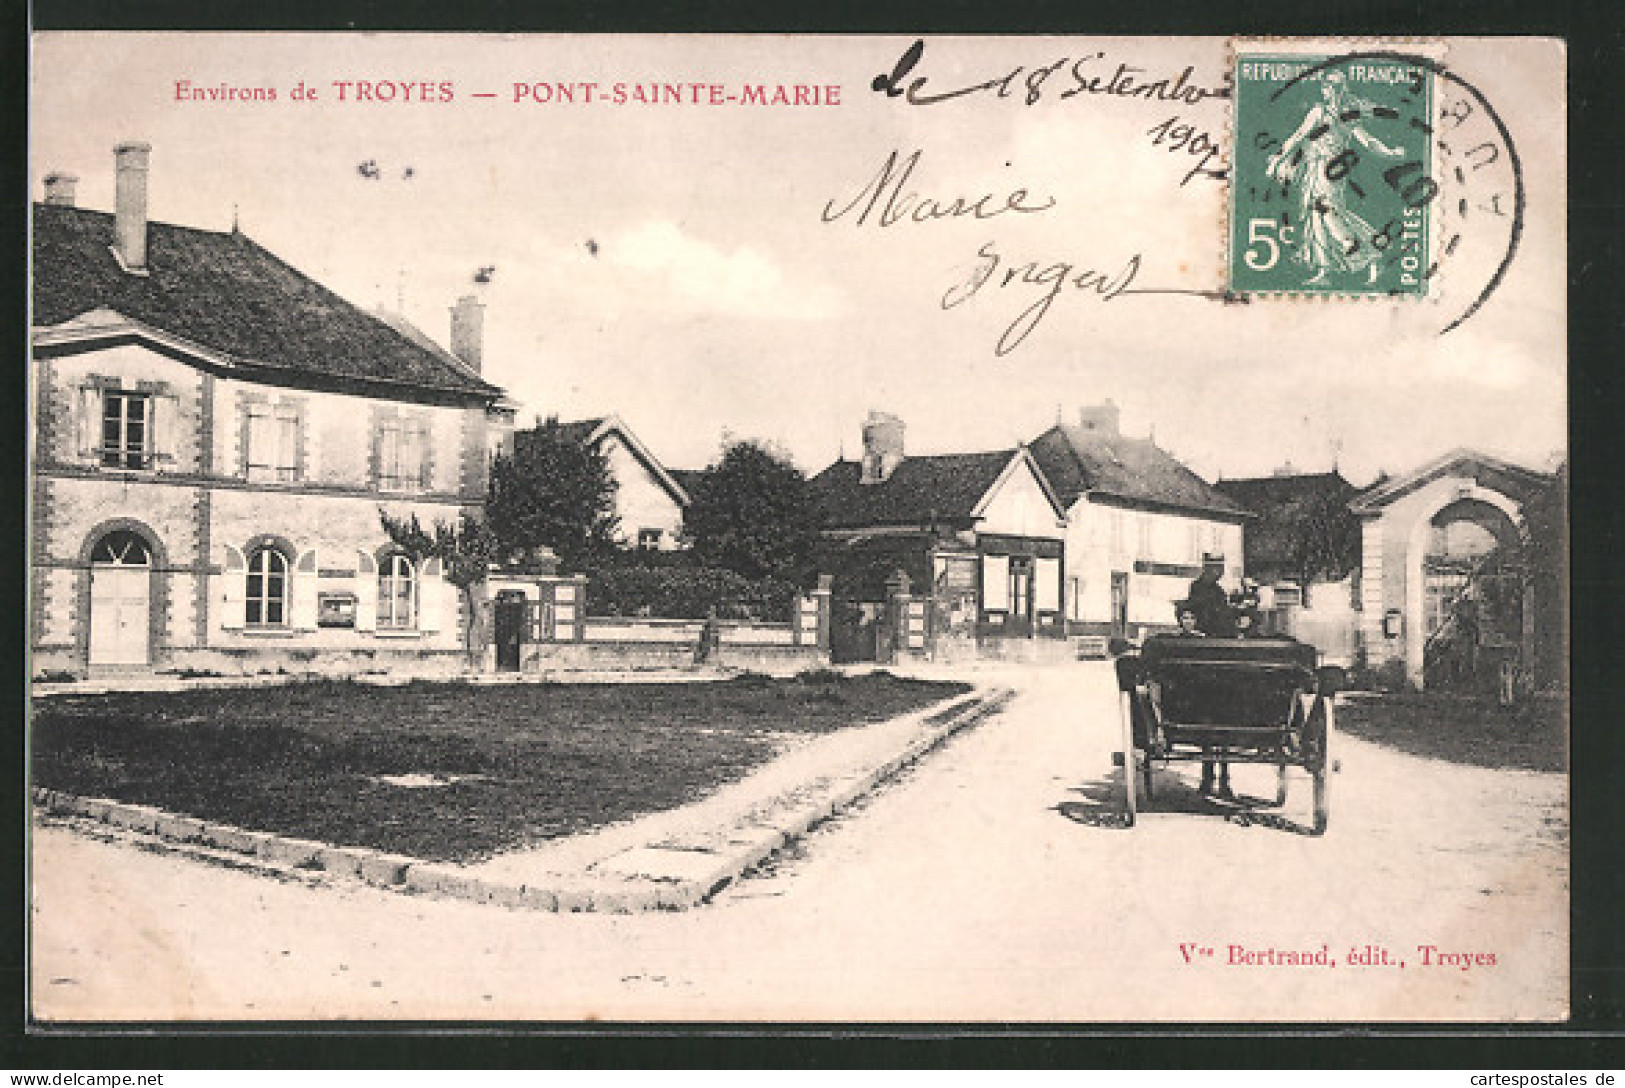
(1228, 682)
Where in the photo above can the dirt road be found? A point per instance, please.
(990, 883)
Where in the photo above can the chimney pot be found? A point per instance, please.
(60, 189)
(468, 330)
(882, 447)
(130, 207)
(1102, 418)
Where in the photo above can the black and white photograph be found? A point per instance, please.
(594, 529)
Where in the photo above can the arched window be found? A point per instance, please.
(267, 596)
(121, 548)
(397, 593)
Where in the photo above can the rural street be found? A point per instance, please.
(989, 882)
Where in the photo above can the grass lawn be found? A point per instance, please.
(479, 769)
(1531, 736)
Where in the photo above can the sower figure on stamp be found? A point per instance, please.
(1315, 162)
(1210, 608)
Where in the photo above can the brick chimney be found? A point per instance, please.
(468, 330)
(130, 205)
(61, 189)
(1099, 418)
(882, 447)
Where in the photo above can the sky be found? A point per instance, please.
(681, 264)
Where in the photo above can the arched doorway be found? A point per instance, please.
(1472, 596)
(120, 600)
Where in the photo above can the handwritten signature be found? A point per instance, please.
(1057, 277)
(903, 206)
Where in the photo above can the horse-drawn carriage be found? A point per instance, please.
(1223, 700)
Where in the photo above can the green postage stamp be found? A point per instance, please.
(1332, 187)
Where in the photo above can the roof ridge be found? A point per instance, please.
(233, 295)
(58, 208)
(435, 354)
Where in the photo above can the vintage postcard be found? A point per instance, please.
(797, 529)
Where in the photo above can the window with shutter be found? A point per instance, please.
(389, 453)
(432, 594)
(126, 434)
(403, 463)
(1047, 585)
(304, 606)
(425, 462)
(366, 592)
(273, 442)
(266, 596)
(166, 419)
(397, 593)
(87, 421)
(995, 583)
(233, 600)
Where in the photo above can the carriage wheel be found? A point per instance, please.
(1143, 733)
(1294, 731)
(1126, 706)
(1317, 735)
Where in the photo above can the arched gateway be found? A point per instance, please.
(1444, 592)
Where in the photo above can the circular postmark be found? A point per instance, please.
(1371, 173)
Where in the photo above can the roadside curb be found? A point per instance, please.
(673, 876)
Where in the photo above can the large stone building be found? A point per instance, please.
(1139, 525)
(214, 436)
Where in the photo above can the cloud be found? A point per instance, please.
(1492, 364)
(740, 283)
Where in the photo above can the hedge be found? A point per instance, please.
(688, 593)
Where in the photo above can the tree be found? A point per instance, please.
(465, 551)
(1325, 537)
(753, 512)
(1544, 552)
(554, 492)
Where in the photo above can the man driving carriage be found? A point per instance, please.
(1208, 610)
(1208, 600)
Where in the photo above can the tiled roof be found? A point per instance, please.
(1261, 494)
(1285, 505)
(226, 293)
(1489, 472)
(402, 325)
(686, 477)
(1136, 470)
(944, 487)
(580, 430)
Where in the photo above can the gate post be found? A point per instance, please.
(569, 609)
(824, 596)
(898, 616)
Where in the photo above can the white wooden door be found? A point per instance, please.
(120, 602)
